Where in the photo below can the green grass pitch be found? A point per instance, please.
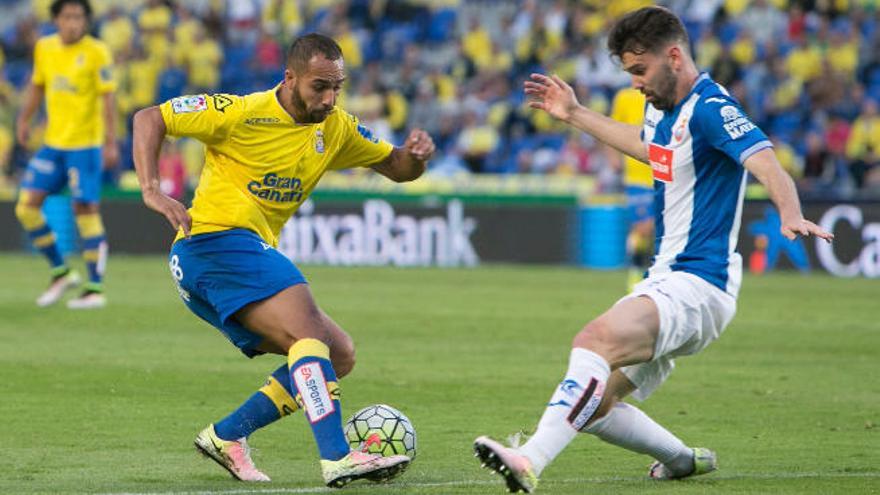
(109, 401)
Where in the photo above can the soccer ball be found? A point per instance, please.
(381, 429)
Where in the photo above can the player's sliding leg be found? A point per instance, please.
(625, 425)
(94, 244)
(226, 440)
(573, 404)
(29, 214)
(625, 334)
(290, 319)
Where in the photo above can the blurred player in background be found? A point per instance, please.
(638, 182)
(73, 71)
(700, 146)
(265, 153)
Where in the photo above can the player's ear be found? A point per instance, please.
(289, 77)
(674, 55)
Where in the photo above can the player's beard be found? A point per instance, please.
(305, 115)
(663, 94)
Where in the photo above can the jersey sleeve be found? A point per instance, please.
(359, 147)
(38, 78)
(106, 83)
(208, 118)
(728, 129)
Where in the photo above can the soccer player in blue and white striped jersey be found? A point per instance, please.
(701, 147)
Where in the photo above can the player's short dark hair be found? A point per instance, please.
(57, 5)
(646, 30)
(305, 47)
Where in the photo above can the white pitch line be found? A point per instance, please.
(440, 484)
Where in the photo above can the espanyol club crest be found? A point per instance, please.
(319, 141)
(681, 129)
(678, 133)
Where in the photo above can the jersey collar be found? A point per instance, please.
(286, 116)
(697, 86)
(280, 108)
(701, 81)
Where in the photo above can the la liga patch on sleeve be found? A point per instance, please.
(189, 104)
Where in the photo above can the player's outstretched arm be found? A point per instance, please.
(766, 168)
(149, 132)
(409, 161)
(33, 96)
(554, 96)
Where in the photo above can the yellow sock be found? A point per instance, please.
(91, 230)
(278, 390)
(39, 232)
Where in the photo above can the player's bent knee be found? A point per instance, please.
(595, 336)
(29, 216)
(22, 209)
(343, 361)
(309, 326)
(342, 353)
(600, 337)
(30, 198)
(80, 208)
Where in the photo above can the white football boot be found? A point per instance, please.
(705, 461)
(515, 468)
(88, 300)
(58, 287)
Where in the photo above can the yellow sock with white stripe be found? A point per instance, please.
(94, 242)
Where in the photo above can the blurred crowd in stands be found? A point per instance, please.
(808, 72)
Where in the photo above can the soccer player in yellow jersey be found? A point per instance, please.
(73, 71)
(265, 153)
(638, 182)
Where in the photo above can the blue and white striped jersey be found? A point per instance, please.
(696, 152)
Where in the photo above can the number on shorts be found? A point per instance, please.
(176, 269)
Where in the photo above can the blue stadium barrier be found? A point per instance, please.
(603, 230)
(59, 216)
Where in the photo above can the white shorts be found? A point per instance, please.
(693, 313)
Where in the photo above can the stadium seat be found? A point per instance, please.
(442, 26)
(17, 72)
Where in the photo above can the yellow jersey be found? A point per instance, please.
(629, 107)
(260, 165)
(74, 77)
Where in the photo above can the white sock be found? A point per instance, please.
(628, 427)
(571, 406)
